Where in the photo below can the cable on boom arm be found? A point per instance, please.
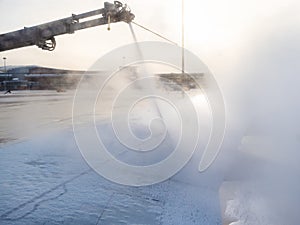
(155, 33)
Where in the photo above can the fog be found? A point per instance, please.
(263, 112)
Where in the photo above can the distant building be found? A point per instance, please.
(35, 77)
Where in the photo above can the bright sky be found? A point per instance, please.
(216, 30)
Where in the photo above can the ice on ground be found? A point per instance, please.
(45, 180)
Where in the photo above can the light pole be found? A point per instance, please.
(4, 63)
(182, 36)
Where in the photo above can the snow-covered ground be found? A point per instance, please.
(45, 180)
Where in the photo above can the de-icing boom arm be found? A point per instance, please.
(43, 35)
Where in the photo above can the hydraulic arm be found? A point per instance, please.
(44, 35)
